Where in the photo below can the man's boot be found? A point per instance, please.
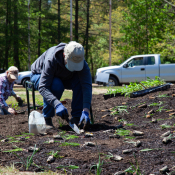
(49, 124)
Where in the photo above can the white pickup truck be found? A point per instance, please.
(136, 68)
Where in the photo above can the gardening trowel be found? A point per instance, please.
(72, 125)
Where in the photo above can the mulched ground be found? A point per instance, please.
(149, 161)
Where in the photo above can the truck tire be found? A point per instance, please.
(113, 81)
(24, 81)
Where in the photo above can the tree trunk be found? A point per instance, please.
(39, 29)
(7, 37)
(76, 20)
(15, 32)
(59, 19)
(87, 29)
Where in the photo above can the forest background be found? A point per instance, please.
(138, 27)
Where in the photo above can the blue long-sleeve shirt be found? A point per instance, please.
(51, 64)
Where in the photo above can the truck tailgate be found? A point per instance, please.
(167, 72)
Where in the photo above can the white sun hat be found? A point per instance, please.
(74, 56)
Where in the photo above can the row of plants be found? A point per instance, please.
(135, 86)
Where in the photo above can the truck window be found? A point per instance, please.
(150, 60)
(136, 62)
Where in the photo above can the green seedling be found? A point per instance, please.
(161, 109)
(119, 110)
(55, 154)
(68, 137)
(134, 169)
(130, 124)
(27, 162)
(70, 144)
(15, 106)
(23, 133)
(122, 132)
(164, 126)
(130, 142)
(148, 149)
(60, 122)
(62, 133)
(13, 150)
(163, 95)
(27, 137)
(156, 104)
(110, 155)
(129, 137)
(98, 166)
(72, 167)
(121, 120)
(159, 119)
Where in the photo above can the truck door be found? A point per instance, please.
(135, 70)
(152, 69)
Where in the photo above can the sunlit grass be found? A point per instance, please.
(67, 94)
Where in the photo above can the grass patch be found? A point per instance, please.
(70, 144)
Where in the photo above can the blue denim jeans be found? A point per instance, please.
(57, 88)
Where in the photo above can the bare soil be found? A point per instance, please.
(149, 161)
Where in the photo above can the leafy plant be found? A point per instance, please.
(122, 132)
(134, 86)
(98, 166)
(119, 110)
(55, 154)
(27, 162)
(70, 144)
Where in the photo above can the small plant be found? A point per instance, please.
(148, 149)
(163, 95)
(69, 167)
(156, 104)
(55, 154)
(67, 137)
(98, 166)
(122, 132)
(27, 162)
(119, 110)
(70, 144)
(161, 109)
(13, 150)
(60, 122)
(134, 169)
(164, 126)
(15, 106)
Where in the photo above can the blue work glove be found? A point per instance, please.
(61, 111)
(84, 116)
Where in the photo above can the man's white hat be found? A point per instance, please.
(13, 72)
(74, 55)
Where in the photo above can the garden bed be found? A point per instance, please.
(107, 134)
